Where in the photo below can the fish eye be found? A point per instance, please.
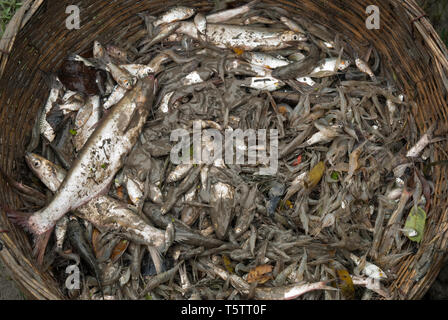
(36, 163)
(295, 37)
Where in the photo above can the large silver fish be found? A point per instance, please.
(104, 212)
(100, 159)
(243, 37)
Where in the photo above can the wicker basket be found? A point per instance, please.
(37, 40)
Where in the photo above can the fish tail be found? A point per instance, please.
(18, 217)
(40, 241)
(156, 257)
(40, 245)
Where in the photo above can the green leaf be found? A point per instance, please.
(335, 175)
(73, 132)
(415, 224)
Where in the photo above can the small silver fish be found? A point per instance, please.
(328, 67)
(364, 67)
(45, 128)
(88, 117)
(174, 14)
(225, 15)
(263, 83)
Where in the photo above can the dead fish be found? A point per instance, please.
(60, 232)
(364, 67)
(45, 128)
(76, 236)
(424, 141)
(201, 24)
(174, 14)
(104, 212)
(242, 37)
(265, 60)
(258, 19)
(120, 54)
(275, 193)
(246, 216)
(262, 83)
(225, 15)
(98, 161)
(117, 94)
(179, 173)
(221, 212)
(155, 281)
(86, 120)
(329, 67)
(290, 292)
(298, 69)
(164, 32)
(293, 26)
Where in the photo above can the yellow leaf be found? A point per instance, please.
(345, 284)
(238, 51)
(415, 224)
(315, 175)
(227, 263)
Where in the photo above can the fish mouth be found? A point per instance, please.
(29, 157)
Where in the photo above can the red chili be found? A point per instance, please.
(297, 161)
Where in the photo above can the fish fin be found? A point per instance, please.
(40, 241)
(40, 245)
(180, 236)
(19, 218)
(156, 257)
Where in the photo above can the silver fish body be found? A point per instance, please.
(100, 159)
(242, 37)
(86, 120)
(174, 14)
(104, 212)
(45, 128)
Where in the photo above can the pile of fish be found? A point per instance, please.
(347, 201)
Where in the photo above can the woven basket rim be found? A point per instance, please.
(23, 269)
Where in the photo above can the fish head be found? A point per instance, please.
(98, 49)
(290, 36)
(41, 167)
(187, 11)
(200, 22)
(127, 82)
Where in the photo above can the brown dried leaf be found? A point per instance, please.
(260, 274)
(96, 236)
(119, 249)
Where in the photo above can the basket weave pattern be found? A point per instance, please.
(37, 41)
